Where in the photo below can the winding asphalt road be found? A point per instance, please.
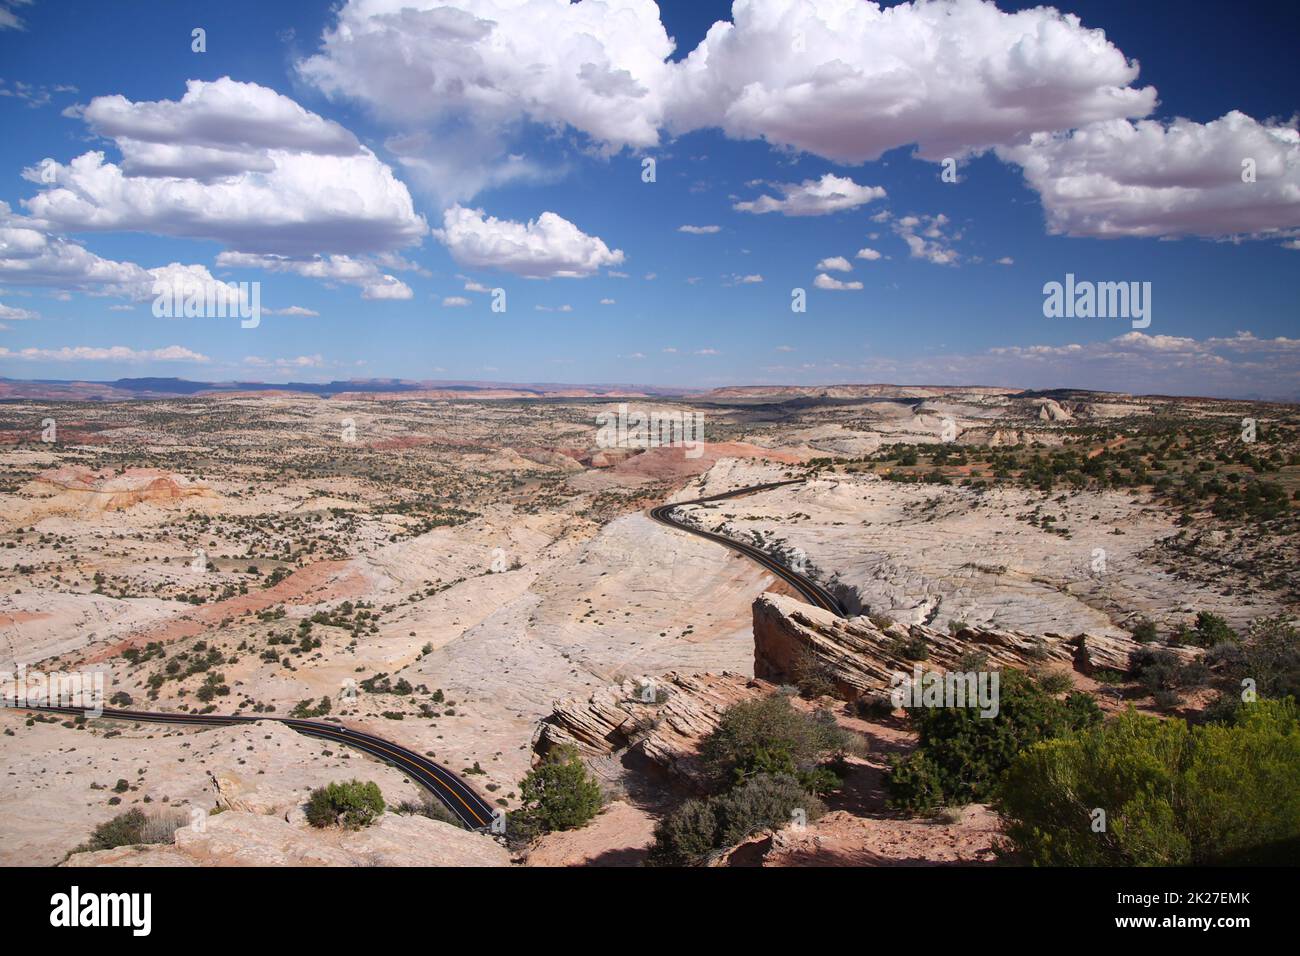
(811, 591)
(453, 792)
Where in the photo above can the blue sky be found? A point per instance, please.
(334, 146)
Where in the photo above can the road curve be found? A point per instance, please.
(450, 790)
(811, 591)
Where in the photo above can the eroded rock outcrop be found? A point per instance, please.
(662, 719)
(105, 490)
(1053, 411)
(792, 639)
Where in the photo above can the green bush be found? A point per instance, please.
(354, 804)
(1054, 682)
(698, 828)
(1173, 795)
(915, 784)
(1162, 671)
(558, 794)
(428, 807)
(125, 829)
(686, 836)
(760, 803)
(768, 759)
(965, 753)
(910, 648)
(768, 736)
(1211, 629)
(1144, 631)
(1269, 656)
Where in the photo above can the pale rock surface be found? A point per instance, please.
(239, 838)
(262, 769)
(931, 554)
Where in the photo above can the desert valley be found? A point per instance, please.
(476, 578)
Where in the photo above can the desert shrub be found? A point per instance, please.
(686, 836)
(1222, 709)
(1037, 651)
(161, 827)
(1144, 631)
(1173, 795)
(762, 802)
(912, 648)
(915, 784)
(133, 828)
(558, 794)
(1108, 675)
(1159, 670)
(873, 707)
(770, 736)
(1054, 682)
(354, 804)
(125, 829)
(965, 753)
(1081, 710)
(1211, 629)
(698, 828)
(1166, 699)
(308, 708)
(428, 807)
(812, 675)
(1269, 656)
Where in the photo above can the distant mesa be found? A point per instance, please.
(107, 490)
(385, 389)
(786, 393)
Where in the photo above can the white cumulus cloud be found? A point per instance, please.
(814, 197)
(929, 238)
(598, 67)
(848, 80)
(823, 281)
(285, 181)
(1151, 178)
(546, 247)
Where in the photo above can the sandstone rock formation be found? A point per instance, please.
(858, 656)
(1052, 411)
(662, 720)
(83, 489)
